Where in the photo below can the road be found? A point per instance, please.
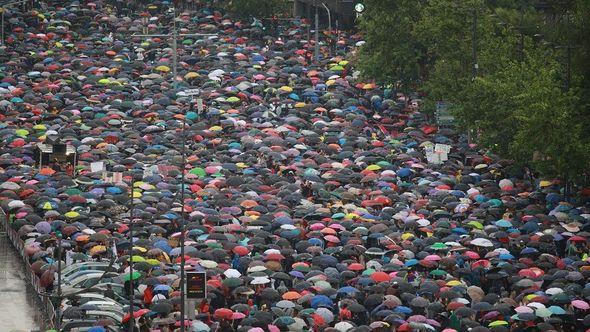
(18, 309)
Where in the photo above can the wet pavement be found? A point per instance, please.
(18, 307)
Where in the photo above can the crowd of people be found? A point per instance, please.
(308, 197)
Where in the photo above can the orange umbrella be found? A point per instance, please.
(46, 171)
(291, 296)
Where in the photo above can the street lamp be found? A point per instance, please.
(131, 289)
(174, 36)
(58, 309)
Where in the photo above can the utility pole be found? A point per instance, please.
(329, 28)
(58, 307)
(174, 36)
(131, 289)
(317, 33)
(474, 44)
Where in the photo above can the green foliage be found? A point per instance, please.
(516, 104)
(391, 52)
(257, 8)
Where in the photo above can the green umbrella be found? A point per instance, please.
(543, 312)
(133, 276)
(198, 171)
(233, 99)
(438, 246)
(21, 132)
(232, 282)
(73, 191)
(438, 272)
(137, 259)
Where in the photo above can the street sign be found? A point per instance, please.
(189, 92)
(359, 8)
(196, 285)
(200, 105)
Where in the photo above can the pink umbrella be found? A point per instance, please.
(579, 304)
(238, 315)
(432, 258)
(332, 238)
(316, 226)
(524, 310)
(417, 319)
(471, 254)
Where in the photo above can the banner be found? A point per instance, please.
(196, 285)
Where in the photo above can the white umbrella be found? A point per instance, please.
(326, 314)
(199, 326)
(285, 304)
(481, 242)
(260, 281)
(16, 204)
(343, 326)
(232, 273)
(298, 326)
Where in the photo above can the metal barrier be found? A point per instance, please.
(34, 280)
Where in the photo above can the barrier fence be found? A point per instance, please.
(33, 279)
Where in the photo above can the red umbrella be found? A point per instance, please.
(240, 250)
(577, 238)
(140, 312)
(356, 267)
(223, 313)
(380, 276)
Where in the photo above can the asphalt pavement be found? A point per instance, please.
(18, 308)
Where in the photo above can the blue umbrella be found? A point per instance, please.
(528, 250)
(162, 288)
(96, 329)
(321, 301)
(411, 262)
(503, 223)
(114, 190)
(402, 310)
(557, 310)
(404, 172)
(348, 290)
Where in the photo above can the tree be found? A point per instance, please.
(391, 52)
(257, 8)
(515, 98)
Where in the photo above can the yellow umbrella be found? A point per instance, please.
(72, 214)
(140, 249)
(300, 105)
(163, 69)
(97, 250)
(137, 259)
(216, 128)
(406, 236)
(191, 75)
(544, 183)
(286, 88)
(373, 167)
(152, 262)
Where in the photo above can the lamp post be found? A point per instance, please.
(174, 36)
(58, 307)
(131, 289)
